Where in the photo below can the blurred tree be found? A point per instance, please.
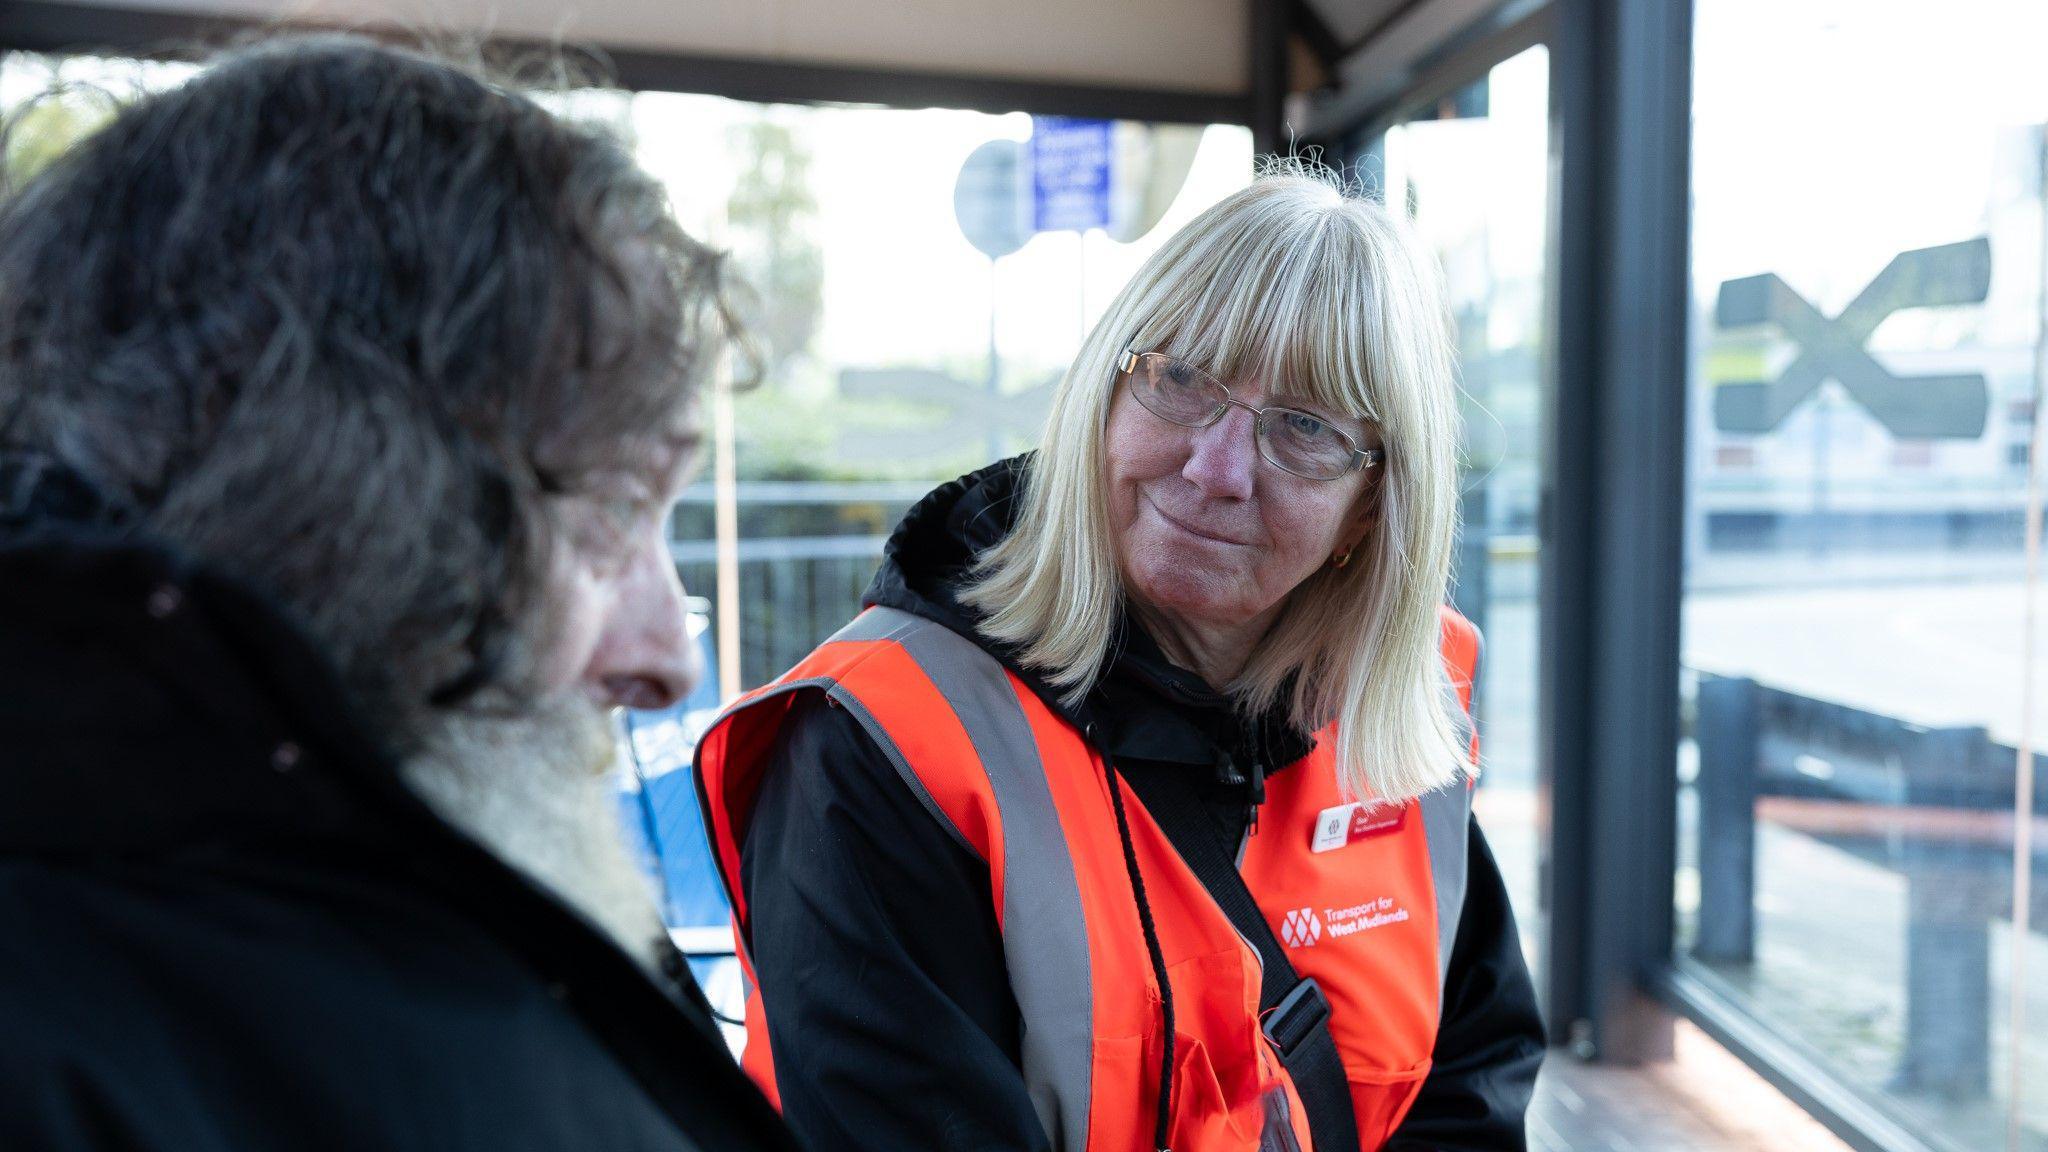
(770, 219)
(34, 134)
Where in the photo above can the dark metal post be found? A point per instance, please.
(1953, 889)
(1727, 733)
(1613, 512)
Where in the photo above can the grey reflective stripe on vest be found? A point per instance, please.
(1447, 822)
(884, 742)
(1045, 935)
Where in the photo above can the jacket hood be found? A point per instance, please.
(1142, 707)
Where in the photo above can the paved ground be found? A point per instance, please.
(1830, 969)
(1702, 1100)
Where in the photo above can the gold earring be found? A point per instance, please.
(1342, 558)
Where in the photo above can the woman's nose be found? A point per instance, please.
(1225, 456)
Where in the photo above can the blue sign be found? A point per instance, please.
(1069, 174)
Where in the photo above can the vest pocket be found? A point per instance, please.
(1126, 1099)
(1381, 1099)
(1123, 1099)
(1204, 1116)
(1219, 1081)
(1218, 1077)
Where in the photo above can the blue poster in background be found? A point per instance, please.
(662, 819)
(1069, 161)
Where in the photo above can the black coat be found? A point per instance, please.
(874, 933)
(226, 924)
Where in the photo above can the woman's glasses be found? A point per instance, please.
(1291, 440)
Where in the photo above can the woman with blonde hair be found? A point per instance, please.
(1133, 813)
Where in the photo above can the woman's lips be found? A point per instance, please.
(1214, 536)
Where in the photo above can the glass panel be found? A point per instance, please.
(1867, 270)
(1473, 177)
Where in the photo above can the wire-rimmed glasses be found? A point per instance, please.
(1301, 443)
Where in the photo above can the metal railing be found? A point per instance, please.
(795, 592)
(1934, 805)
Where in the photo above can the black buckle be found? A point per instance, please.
(1299, 1015)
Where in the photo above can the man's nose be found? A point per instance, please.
(1225, 457)
(647, 659)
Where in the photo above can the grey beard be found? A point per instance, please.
(536, 791)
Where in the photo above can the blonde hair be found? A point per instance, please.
(1290, 278)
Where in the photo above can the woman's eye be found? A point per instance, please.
(1304, 425)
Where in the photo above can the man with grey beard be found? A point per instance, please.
(343, 397)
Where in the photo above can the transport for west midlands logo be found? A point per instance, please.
(1301, 928)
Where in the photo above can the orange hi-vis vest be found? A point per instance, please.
(1366, 899)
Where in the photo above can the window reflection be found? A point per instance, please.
(1472, 175)
(1867, 260)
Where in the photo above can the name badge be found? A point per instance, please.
(1350, 823)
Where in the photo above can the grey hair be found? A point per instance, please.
(1292, 278)
(337, 317)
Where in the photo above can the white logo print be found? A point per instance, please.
(1301, 928)
(1364, 917)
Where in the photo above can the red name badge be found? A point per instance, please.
(1350, 823)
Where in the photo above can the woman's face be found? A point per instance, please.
(1208, 531)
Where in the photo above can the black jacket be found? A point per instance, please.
(226, 924)
(874, 932)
